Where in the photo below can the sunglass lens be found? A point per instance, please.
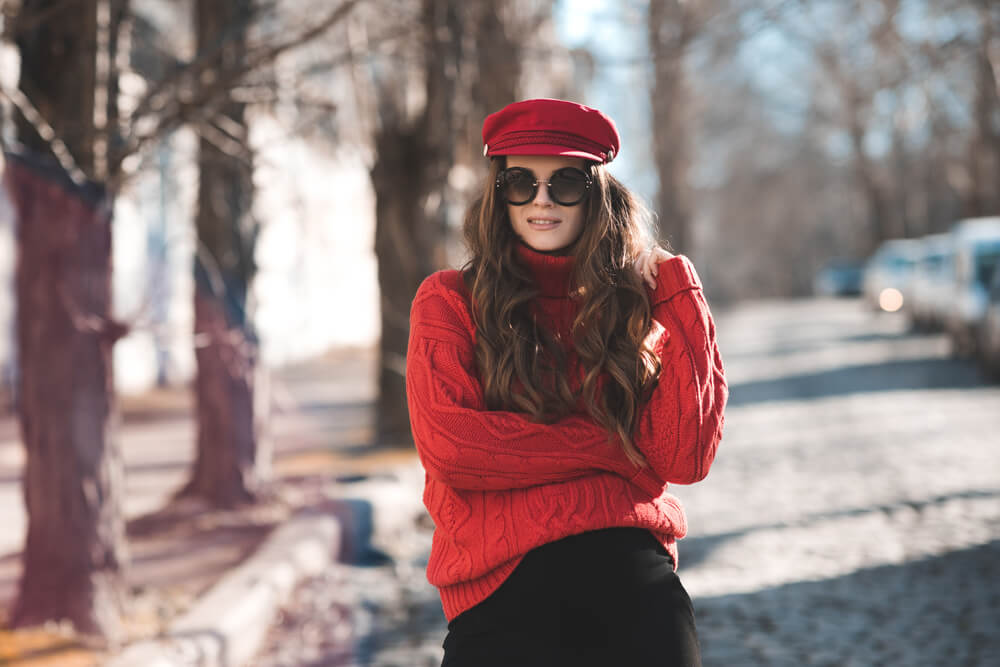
(517, 186)
(569, 186)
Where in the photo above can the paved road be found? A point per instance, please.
(852, 516)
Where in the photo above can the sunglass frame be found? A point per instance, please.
(500, 182)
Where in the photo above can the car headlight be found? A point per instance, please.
(890, 299)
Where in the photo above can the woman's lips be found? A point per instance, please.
(543, 223)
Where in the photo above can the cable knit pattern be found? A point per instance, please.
(499, 485)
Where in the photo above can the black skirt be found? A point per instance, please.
(606, 597)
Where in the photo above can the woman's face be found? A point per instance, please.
(543, 224)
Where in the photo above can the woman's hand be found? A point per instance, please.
(646, 264)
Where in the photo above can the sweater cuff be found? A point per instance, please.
(675, 275)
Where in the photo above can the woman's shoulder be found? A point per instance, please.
(443, 295)
(448, 283)
(448, 280)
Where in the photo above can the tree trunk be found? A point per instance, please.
(855, 110)
(403, 261)
(984, 148)
(499, 56)
(230, 465)
(73, 481)
(75, 549)
(409, 178)
(670, 32)
(902, 175)
(864, 173)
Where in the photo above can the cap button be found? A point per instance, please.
(611, 154)
(486, 149)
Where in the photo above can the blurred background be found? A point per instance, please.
(216, 213)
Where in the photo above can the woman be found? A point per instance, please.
(553, 396)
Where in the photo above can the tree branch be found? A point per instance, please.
(206, 96)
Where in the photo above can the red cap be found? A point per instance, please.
(551, 127)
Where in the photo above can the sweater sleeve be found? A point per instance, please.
(463, 444)
(680, 426)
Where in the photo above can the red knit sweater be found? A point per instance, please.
(499, 485)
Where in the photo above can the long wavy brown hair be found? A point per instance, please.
(522, 367)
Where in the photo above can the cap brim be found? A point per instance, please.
(545, 149)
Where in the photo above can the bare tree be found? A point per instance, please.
(869, 64)
(232, 63)
(75, 550)
(413, 155)
(63, 179)
(227, 468)
(877, 129)
(984, 146)
(672, 26)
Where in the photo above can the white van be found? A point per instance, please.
(977, 254)
(988, 348)
(888, 274)
(930, 287)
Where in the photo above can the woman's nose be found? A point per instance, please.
(542, 197)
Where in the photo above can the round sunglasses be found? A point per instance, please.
(567, 186)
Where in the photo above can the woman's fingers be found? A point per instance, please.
(658, 255)
(661, 254)
(646, 264)
(640, 263)
(649, 270)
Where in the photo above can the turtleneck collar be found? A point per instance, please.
(551, 273)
